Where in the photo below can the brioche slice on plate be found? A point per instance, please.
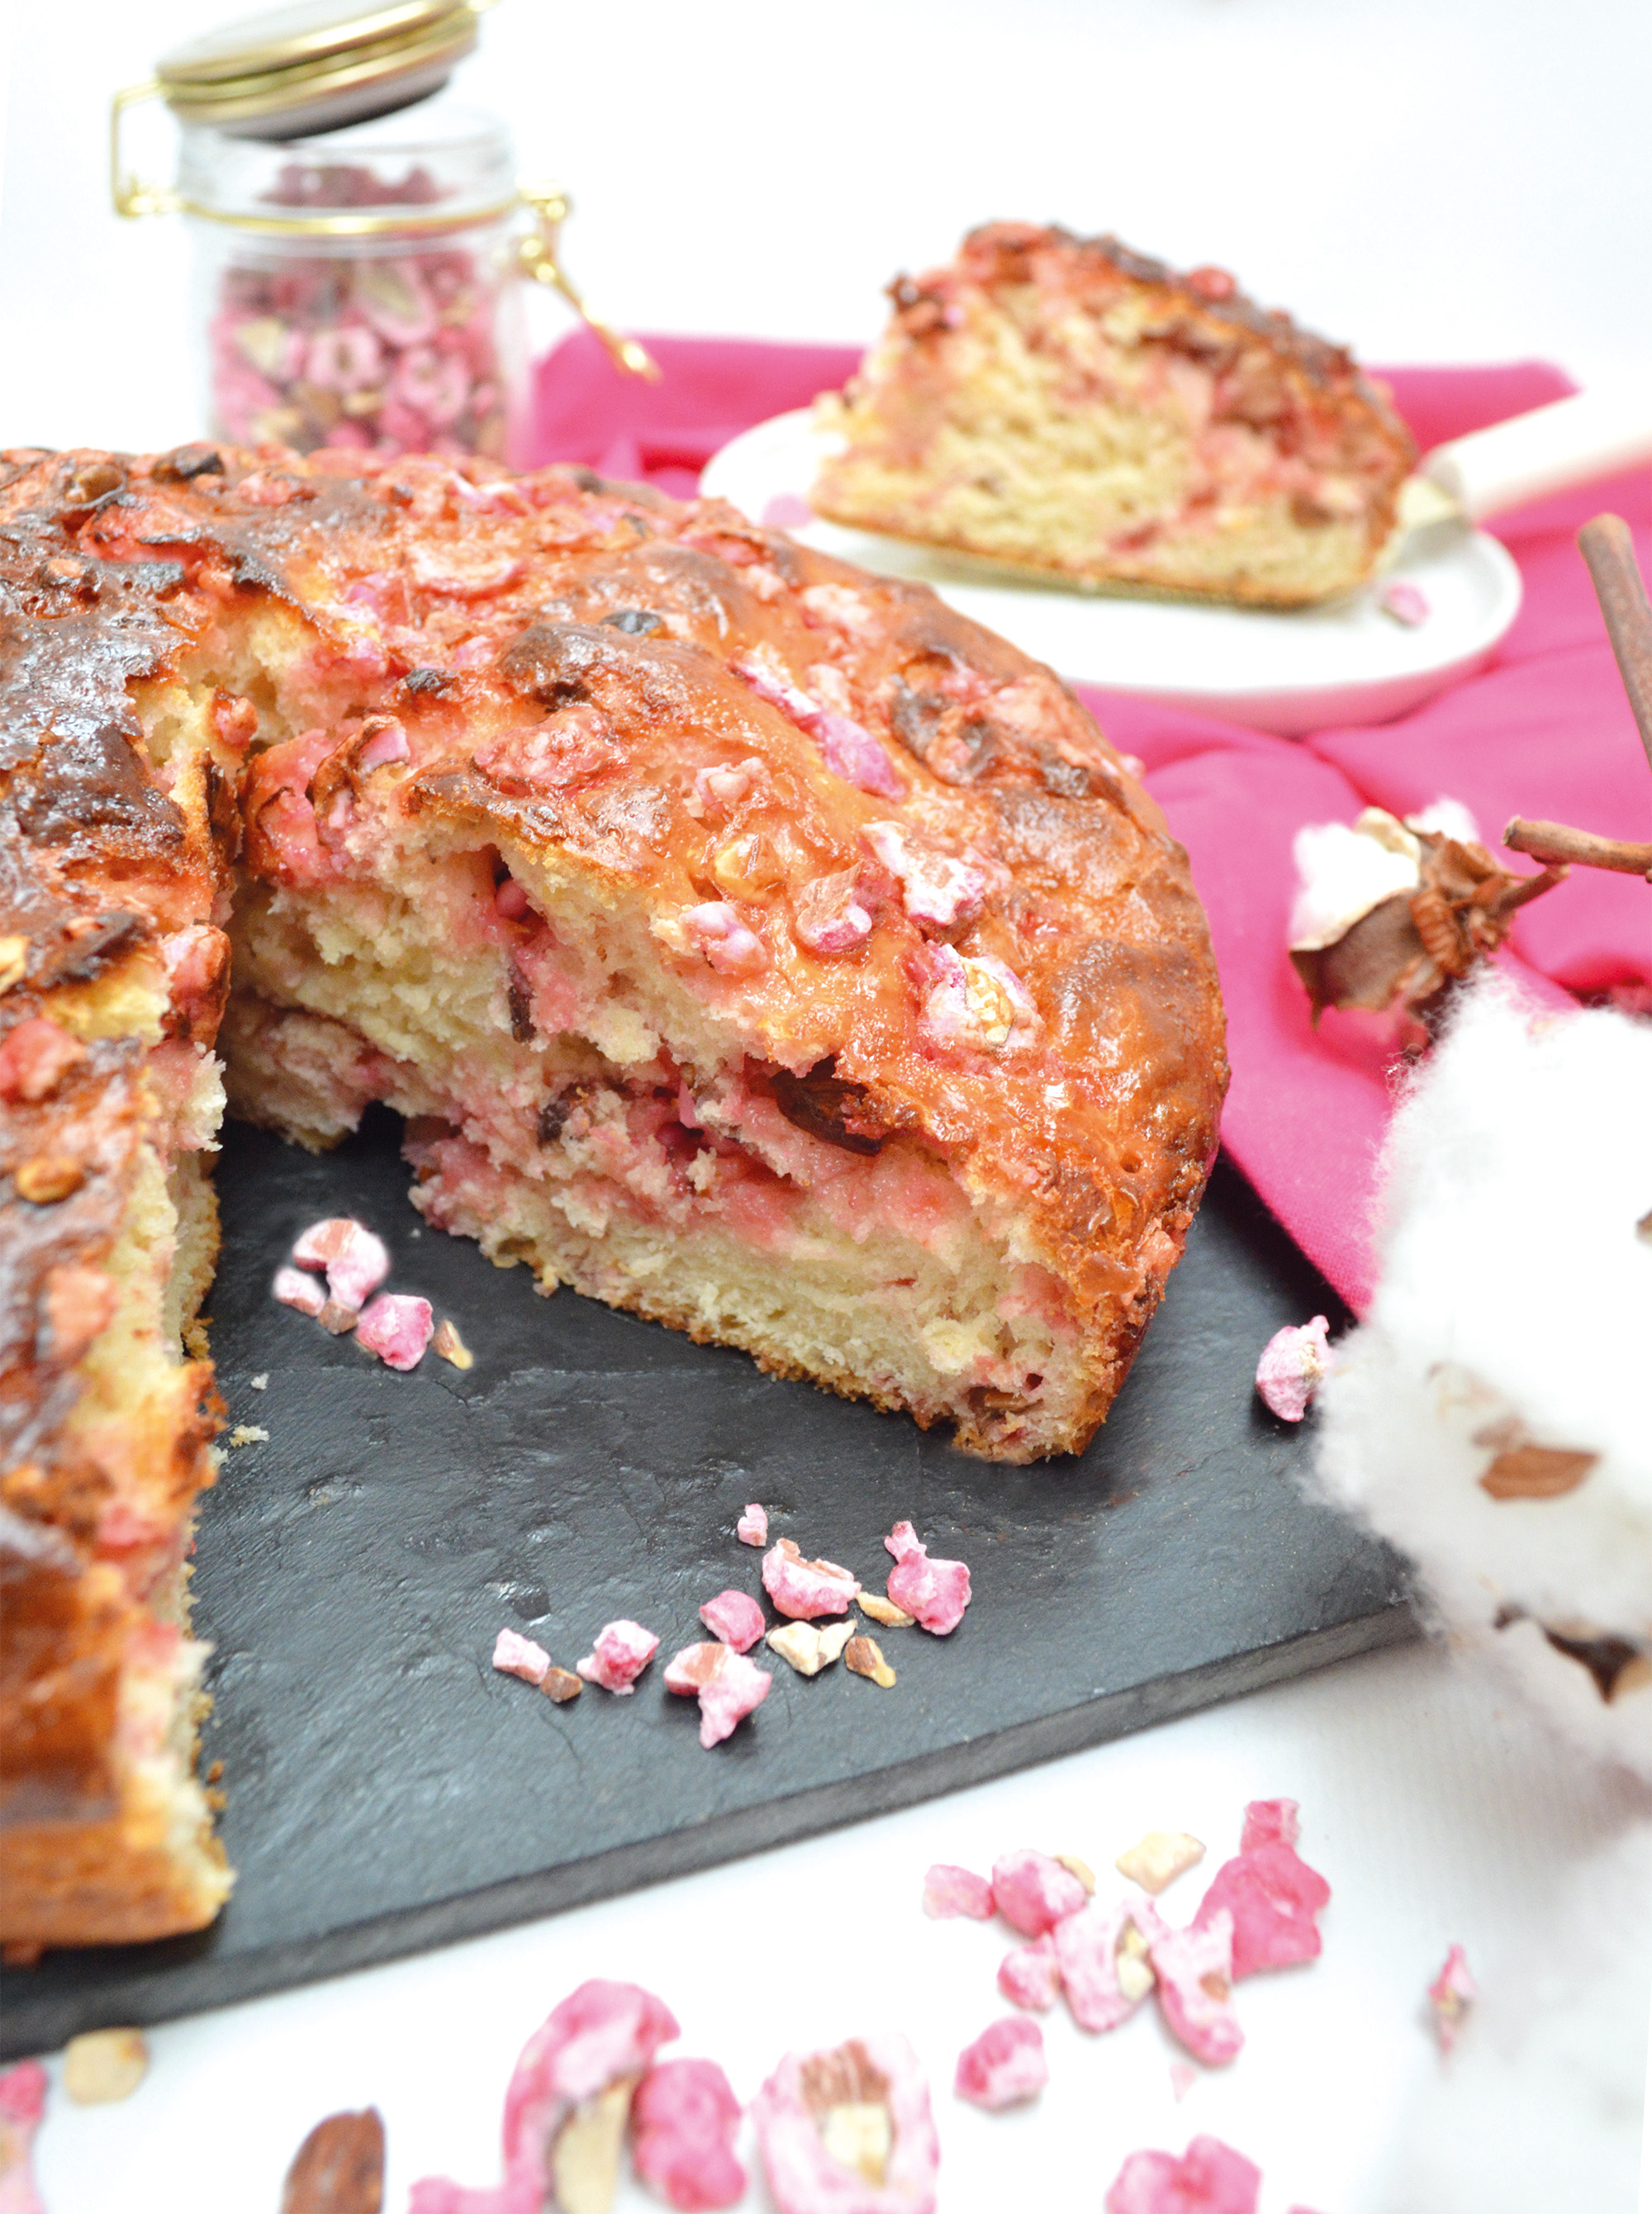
(1063, 407)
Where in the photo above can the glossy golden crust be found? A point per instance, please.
(568, 660)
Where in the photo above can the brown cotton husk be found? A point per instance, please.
(1411, 947)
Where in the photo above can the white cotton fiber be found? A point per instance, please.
(1514, 1308)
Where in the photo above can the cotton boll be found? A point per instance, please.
(1512, 1329)
(1539, 2106)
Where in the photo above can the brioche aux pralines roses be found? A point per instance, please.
(747, 941)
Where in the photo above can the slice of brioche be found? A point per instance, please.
(747, 941)
(1062, 406)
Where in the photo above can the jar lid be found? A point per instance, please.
(317, 66)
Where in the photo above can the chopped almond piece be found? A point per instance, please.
(808, 1648)
(104, 2066)
(1159, 1858)
(862, 1657)
(561, 1684)
(884, 1611)
(1082, 1869)
(451, 1346)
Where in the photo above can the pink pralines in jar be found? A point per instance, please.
(360, 236)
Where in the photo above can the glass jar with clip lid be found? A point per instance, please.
(359, 236)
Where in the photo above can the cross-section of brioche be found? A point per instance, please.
(747, 941)
(1064, 407)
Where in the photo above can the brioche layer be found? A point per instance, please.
(1025, 410)
(876, 1274)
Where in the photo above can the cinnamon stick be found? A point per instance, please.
(1606, 546)
(1558, 844)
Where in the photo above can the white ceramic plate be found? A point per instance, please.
(1347, 663)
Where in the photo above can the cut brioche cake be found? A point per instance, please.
(747, 942)
(1062, 405)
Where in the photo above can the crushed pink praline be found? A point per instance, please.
(599, 2034)
(1294, 1364)
(1451, 1995)
(948, 1890)
(1030, 1976)
(728, 1686)
(294, 1288)
(805, 1589)
(1210, 2177)
(1273, 1897)
(752, 1528)
(1087, 1953)
(736, 1618)
(1270, 1822)
(23, 2091)
(356, 1262)
(1406, 602)
(517, 1655)
(934, 1593)
(1194, 1972)
(683, 2120)
(623, 1649)
(1005, 2066)
(397, 1327)
(1033, 1892)
(804, 2178)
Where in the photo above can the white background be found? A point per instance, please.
(1429, 180)
(1433, 180)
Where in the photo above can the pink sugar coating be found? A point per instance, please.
(397, 1327)
(1005, 2066)
(1273, 1897)
(517, 1655)
(752, 1528)
(736, 1618)
(683, 2120)
(1270, 1822)
(295, 1289)
(934, 1593)
(1085, 1947)
(1032, 1892)
(1030, 1976)
(948, 1890)
(1294, 1364)
(355, 1261)
(623, 1649)
(1188, 1963)
(805, 1589)
(1210, 2177)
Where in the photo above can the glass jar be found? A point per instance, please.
(359, 236)
(360, 289)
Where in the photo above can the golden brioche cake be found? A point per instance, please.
(1062, 405)
(748, 942)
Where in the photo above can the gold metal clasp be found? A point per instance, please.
(536, 257)
(131, 198)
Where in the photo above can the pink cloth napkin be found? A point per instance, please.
(1545, 731)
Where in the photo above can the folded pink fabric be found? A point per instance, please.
(1545, 731)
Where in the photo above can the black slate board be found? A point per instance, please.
(388, 1791)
